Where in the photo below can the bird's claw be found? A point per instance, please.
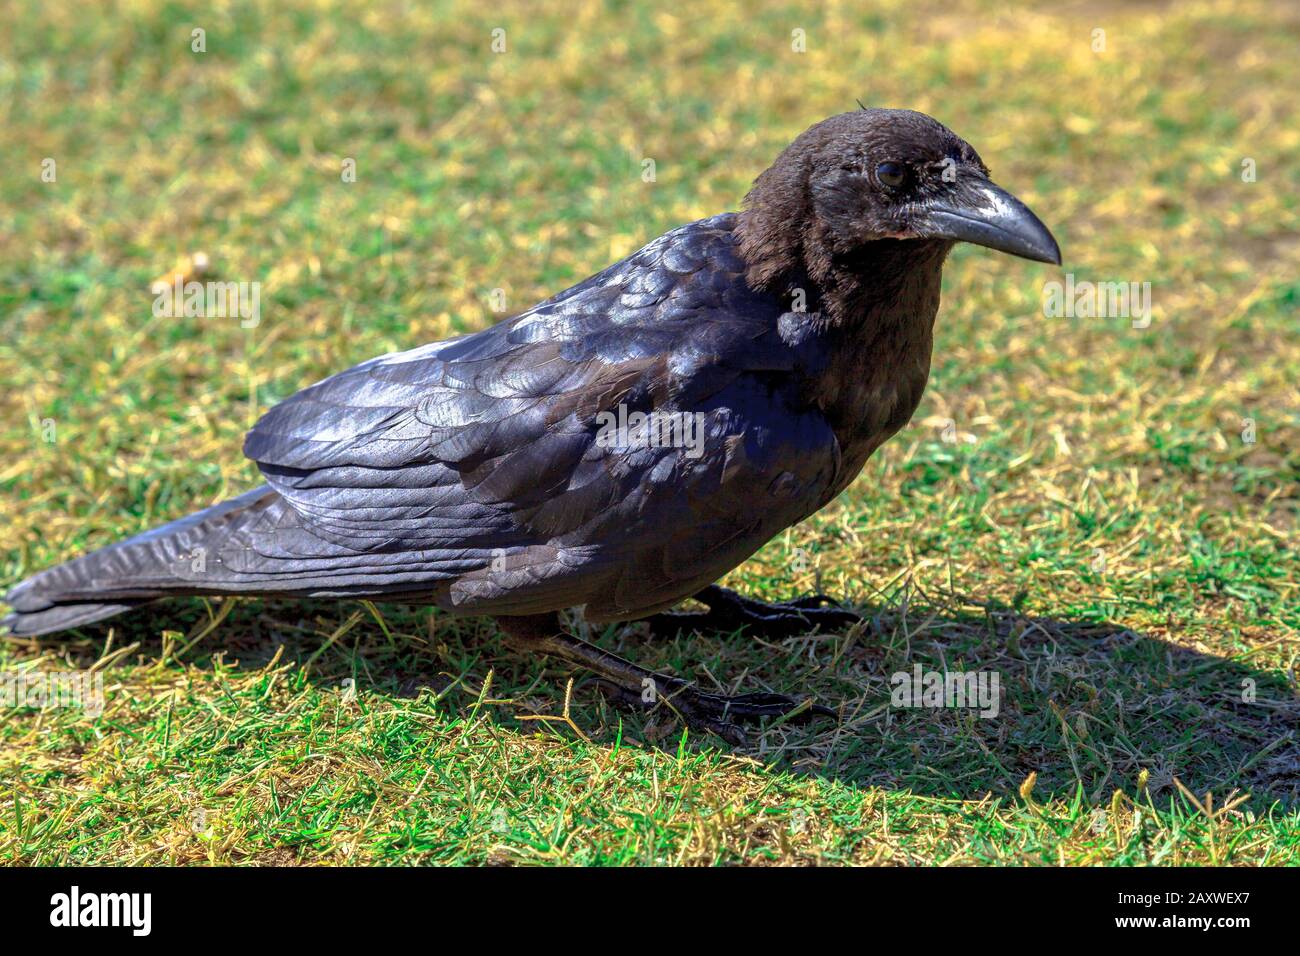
(811, 601)
(729, 611)
(718, 713)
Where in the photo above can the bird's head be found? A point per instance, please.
(877, 174)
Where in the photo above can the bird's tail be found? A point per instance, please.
(165, 562)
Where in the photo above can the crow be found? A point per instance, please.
(619, 447)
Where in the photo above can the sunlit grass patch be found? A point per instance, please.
(1103, 515)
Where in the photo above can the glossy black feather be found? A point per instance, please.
(470, 473)
(416, 474)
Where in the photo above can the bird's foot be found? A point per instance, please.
(716, 713)
(729, 611)
(636, 688)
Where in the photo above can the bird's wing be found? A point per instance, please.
(486, 447)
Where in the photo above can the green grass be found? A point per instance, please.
(1099, 534)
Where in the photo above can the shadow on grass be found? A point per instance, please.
(1085, 706)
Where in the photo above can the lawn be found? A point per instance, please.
(1101, 512)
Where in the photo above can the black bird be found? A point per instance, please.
(775, 349)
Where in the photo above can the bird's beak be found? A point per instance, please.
(980, 212)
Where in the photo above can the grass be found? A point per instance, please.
(1074, 506)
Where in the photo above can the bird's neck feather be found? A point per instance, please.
(874, 282)
(881, 304)
(873, 308)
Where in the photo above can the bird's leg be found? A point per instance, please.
(635, 687)
(729, 611)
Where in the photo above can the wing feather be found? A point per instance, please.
(474, 464)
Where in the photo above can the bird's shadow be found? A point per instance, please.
(1084, 706)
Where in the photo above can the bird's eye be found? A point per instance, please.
(891, 174)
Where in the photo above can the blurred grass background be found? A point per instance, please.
(1098, 532)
